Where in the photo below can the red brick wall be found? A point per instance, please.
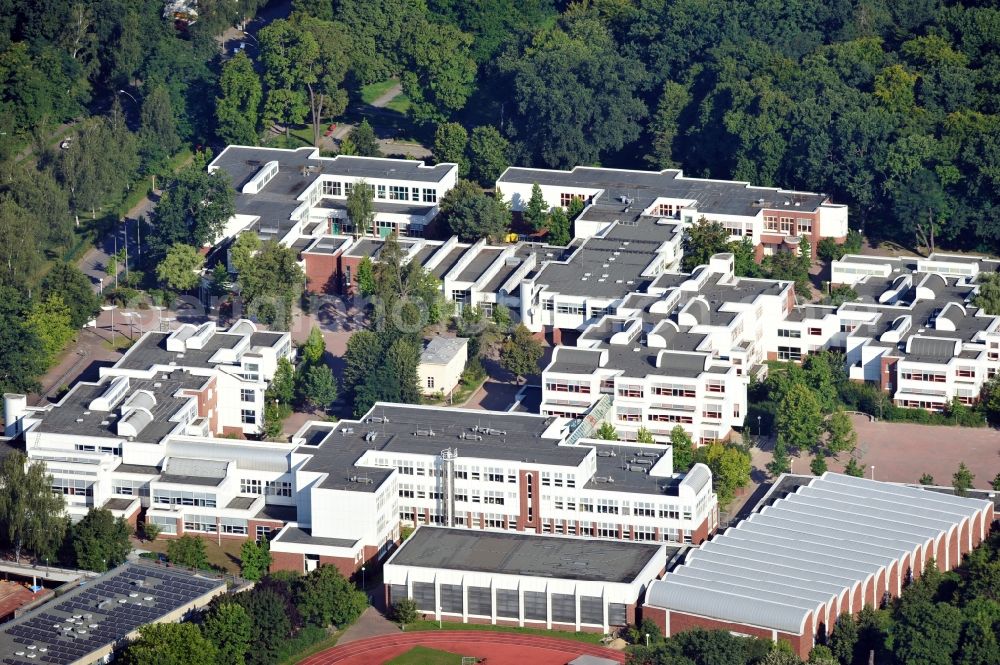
(287, 561)
(323, 272)
(352, 262)
(679, 622)
(522, 519)
(887, 378)
(701, 533)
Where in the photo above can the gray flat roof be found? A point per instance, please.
(522, 554)
(336, 449)
(300, 536)
(722, 197)
(72, 414)
(107, 612)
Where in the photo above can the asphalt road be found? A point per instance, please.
(94, 262)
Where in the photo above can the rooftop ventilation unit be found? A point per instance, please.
(603, 479)
(346, 431)
(425, 432)
(648, 454)
(371, 436)
(606, 453)
(634, 467)
(472, 437)
(377, 419)
(364, 480)
(495, 432)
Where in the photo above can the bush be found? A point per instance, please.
(404, 611)
(188, 551)
(829, 250)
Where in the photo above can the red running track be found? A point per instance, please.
(498, 648)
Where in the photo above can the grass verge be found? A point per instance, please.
(589, 638)
(425, 656)
(310, 640)
(373, 91)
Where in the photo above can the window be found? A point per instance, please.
(670, 513)
(331, 188)
(380, 192)
(430, 195)
(605, 530)
(430, 381)
(770, 223)
(166, 524)
(674, 391)
(715, 387)
(398, 193)
(547, 305)
(666, 210)
(201, 523)
(569, 308)
(565, 198)
(712, 413)
(233, 526)
(789, 353)
(251, 486)
(247, 395)
(815, 331)
(567, 386)
(249, 416)
(72, 486)
(415, 194)
(805, 226)
(263, 533)
(348, 188)
(607, 506)
(178, 498)
(278, 488)
(495, 475)
(787, 225)
(966, 371)
(629, 391)
(782, 332)
(251, 372)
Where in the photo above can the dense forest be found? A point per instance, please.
(890, 107)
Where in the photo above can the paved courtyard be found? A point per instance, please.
(902, 452)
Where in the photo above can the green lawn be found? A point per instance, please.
(425, 656)
(400, 104)
(373, 91)
(590, 638)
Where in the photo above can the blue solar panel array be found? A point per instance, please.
(102, 612)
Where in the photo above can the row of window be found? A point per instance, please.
(383, 192)
(788, 225)
(268, 488)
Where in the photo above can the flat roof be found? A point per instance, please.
(301, 536)
(100, 613)
(715, 196)
(441, 350)
(548, 556)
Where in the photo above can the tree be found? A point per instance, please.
(363, 354)
(987, 296)
(537, 209)
(926, 479)
(324, 596)
(66, 281)
(559, 228)
(158, 137)
(702, 240)
(472, 214)
(192, 210)
(365, 277)
(683, 449)
(361, 207)
(404, 611)
(978, 645)
(607, 432)
(730, 467)
(365, 142)
(440, 73)
(227, 626)
(926, 632)
(101, 541)
(853, 468)
(237, 111)
(312, 351)
(271, 282)
(990, 400)
(576, 95)
(170, 644)
(450, 141)
(844, 639)
(150, 530)
(995, 483)
(962, 480)
(665, 125)
(644, 436)
(255, 559)
(30, 513)
(799, 420)
(780, 462)
(52, 322)
(520, 353)
(22, 360)
(822, 655)
(318, 387)
(272, 616)
(242, 251)
(490, 155)
(188, 551)
(181, 268)
(818, 464)
(841, 436)
(20, 255)
(829, 250)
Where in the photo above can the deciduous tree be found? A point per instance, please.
(490, 155)
(237, 111)
(324, 596)
(30, 513)
(683, 449)
(66, 281)
(101, 541)
(521, 353)
(702, 240)
(450, 142)
(537, 210)
(187, 551)
(962, 480)
(255, 559)
(181, 268)
(361, 207)
(52, 322)
(227, 626)
(170, 644)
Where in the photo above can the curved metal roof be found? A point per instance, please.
(697, 478)
(816, 544)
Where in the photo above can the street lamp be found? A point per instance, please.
(122, 92)
(440, 610)
(873, 472)
(363, 578)
(647, 640)
(758, 427)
